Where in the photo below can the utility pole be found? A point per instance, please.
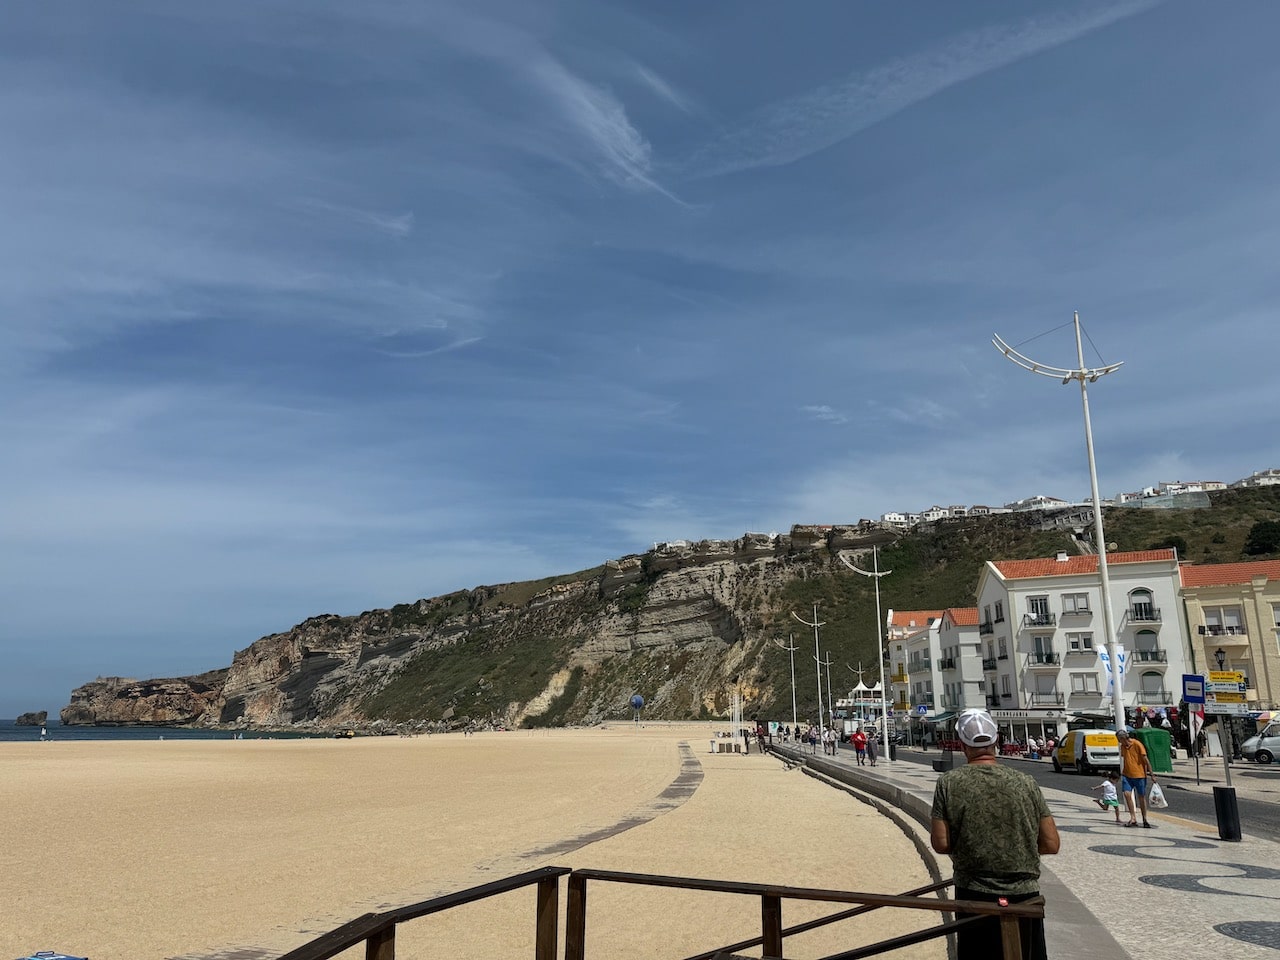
(817, 658)
(791, 639)
(831, 704)
(876, 574)
(1086, 375)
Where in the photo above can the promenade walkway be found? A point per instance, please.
(1121, 894)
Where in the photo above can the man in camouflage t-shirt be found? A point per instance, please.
(994, 823)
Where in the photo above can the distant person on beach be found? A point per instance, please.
(1135, 771)
(860, 746)
(1109, 799)
(994, 823)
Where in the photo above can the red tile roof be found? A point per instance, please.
(1053, 567)
(1224, 574)
(963, 616)
(920, 618)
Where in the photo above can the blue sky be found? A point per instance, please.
(319, 307)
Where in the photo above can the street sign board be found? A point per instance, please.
(922, 709)
(1225, 676)
(1227, 709)
(1193, 688)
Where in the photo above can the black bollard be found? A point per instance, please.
(1224, 805)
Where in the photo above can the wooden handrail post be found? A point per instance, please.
(771, 925)
(1011, 938)
(381, 944)
(575, 919)
(548, 918)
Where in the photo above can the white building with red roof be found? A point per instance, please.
(1043, 638)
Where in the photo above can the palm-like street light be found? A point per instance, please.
(1086, 375)
(795, 717)
(817, 658)
(876, 574)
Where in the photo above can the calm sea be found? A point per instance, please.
(10, 732)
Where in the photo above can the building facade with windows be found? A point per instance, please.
(902, 626)
(959, 660)
(1043, 645)
(1233, 610)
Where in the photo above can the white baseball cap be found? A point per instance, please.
(975, 728)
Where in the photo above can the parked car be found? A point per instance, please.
(1263, 747)
(1087, 751)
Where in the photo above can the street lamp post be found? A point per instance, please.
(1086, 375)
(817, 658)
(876, 574)
(795, 717)
(831, 704)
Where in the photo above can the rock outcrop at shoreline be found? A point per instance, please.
(117, 701)
(36, 719)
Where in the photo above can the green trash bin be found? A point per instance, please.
(1157, 742)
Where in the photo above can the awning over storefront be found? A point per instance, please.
(940, 718)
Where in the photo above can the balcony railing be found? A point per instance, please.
(902, 704)
(993, 701)
(999, 618)
(922, 698)
(1155, 696)
(989, 663)
(1144, 613)
(1039, 620)
(919, 666)
(1078, 612)
(947, 663)
(986, 629)
(1043, 660)
(1003, 656)
(1053, 699)
(899, 677)
(1217, 630)
(1151, 656)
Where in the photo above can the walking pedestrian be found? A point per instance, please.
(860, 746)
(872, 749)
(994, 823)
(1135, 770)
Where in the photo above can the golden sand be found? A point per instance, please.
(129, 850)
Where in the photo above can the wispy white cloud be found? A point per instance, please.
(664, 90)
(788, 130)
(825, 414)
(397, 224)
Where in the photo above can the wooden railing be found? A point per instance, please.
(772, 932)
(377, 931)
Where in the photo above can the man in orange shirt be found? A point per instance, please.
(1135, 770)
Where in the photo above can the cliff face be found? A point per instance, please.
(116, 701)
(680, 619)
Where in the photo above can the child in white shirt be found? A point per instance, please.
(1109, 799)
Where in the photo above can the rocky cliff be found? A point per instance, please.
(683, 622)
(35, 719)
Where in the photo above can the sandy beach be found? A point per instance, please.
(242, 849)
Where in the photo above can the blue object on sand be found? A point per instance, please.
(50, 955)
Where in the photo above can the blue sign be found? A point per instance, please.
(922, 709)
(1193, 688)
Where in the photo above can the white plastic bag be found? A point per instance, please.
(1155, 798)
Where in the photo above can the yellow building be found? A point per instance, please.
(1233, 611)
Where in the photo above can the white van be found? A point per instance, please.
(1087, 751)
(1263, 747)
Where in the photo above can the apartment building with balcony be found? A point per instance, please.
(1233, 610)
(1040, 626)
(959, 662)
(901, 626)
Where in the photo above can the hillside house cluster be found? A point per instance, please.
(1033, 650)
(1165, 488)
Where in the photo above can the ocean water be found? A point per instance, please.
(10, 732)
